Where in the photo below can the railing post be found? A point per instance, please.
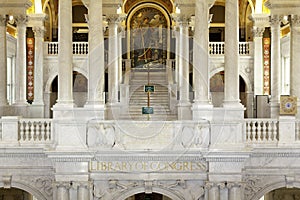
(10, 129)
(287, 135)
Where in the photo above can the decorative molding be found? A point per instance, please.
(44, 184)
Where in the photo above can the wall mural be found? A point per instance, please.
(148, 38)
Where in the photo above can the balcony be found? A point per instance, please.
(148, 135)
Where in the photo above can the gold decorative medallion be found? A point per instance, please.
(288, 105)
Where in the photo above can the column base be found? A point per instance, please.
(202, 111)
(232, 104)
(184, 110)
(112, 111)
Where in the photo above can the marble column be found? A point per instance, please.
(213, 191)
(120, 51)
(223, 191)
(258, 60)
(113, 68)
(39, 66)
(202, 104)
(177, 44)
(234, 191)
(184, 105)
(275, 66)
(63, 191)
(21, 21)
(200, 54)
(96, 55)
(231, 91)
(294, 59)
(83, 192)
(65, 55)
(3, 62)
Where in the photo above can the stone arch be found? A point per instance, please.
(32, 190)
(271, 187)
(166, 192)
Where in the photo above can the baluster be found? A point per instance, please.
(22, 128)
(56, 48)
(38, 131)
(223, 50)
(48, 130)
(248, 132)
(258, 131)
(264, 134)
(276, 135)
(26, 131)
(87, 48)
(253, 131)
(43, 136)
(31, 131)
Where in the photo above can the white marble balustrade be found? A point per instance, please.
(261, 131)
(35, 131)
(215, 48)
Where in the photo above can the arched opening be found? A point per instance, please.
(79, 91)
(282, 194)
(217, 90)
(144, 196)
(148, 27)
(14, 193)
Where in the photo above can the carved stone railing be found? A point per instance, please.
(261, 131)
(215, 48)
(147, 135)
(35, 131)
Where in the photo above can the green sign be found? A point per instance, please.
(147, 110)
(149, 88)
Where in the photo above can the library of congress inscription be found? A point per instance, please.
(144, 166)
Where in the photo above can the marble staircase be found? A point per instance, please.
(159, 99)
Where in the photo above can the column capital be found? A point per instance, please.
(115, 18)
(295, 20)
(258, 31)
(235, 185)
(66, 185)
(38, 31)
(275, 20)
(21, 19)
(3, 20)
(209, 185)
(182, 19)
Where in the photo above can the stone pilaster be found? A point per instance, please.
(231, 91)
(275, 65)
(184, 105)
(96, 56)
(65, 55)
(3, 62)
(202, 104)
(21, 21)
(294, 58)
